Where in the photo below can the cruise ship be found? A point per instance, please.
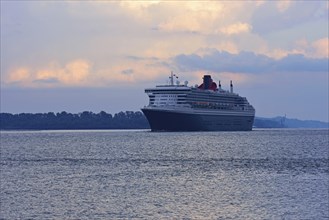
(208, 107)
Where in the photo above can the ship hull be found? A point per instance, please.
(171, 120)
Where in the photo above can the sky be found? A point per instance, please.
(97, 56)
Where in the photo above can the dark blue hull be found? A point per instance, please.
(160, 120)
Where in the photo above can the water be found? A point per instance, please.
(263, 174)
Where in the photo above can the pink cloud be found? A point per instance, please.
(236, 28)
(321, 48)
(74, 73)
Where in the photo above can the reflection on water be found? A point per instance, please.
(263, 174)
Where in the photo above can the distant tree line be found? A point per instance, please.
(101, 120)
(268, 123)
(64, 120)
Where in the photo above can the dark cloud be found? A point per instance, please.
(47, 81)
(248, 62)
(298, 62)
(135, 58)
(127, 71)
(138, 58)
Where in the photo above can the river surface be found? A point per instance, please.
(138, 174)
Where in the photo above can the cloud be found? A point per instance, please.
(84, 73)
(274, 16)
(127, 71)
(236, 28)
(104, 43)
(300, 63)
(221, 61)
(249, 62)
(181, 23)
(321, 48)
(283, 5)
(74, 73)
(50, 80)
(131, 71)
(316, 49)
(206, 18)
(18, 75)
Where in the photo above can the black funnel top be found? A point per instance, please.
(207, 81)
